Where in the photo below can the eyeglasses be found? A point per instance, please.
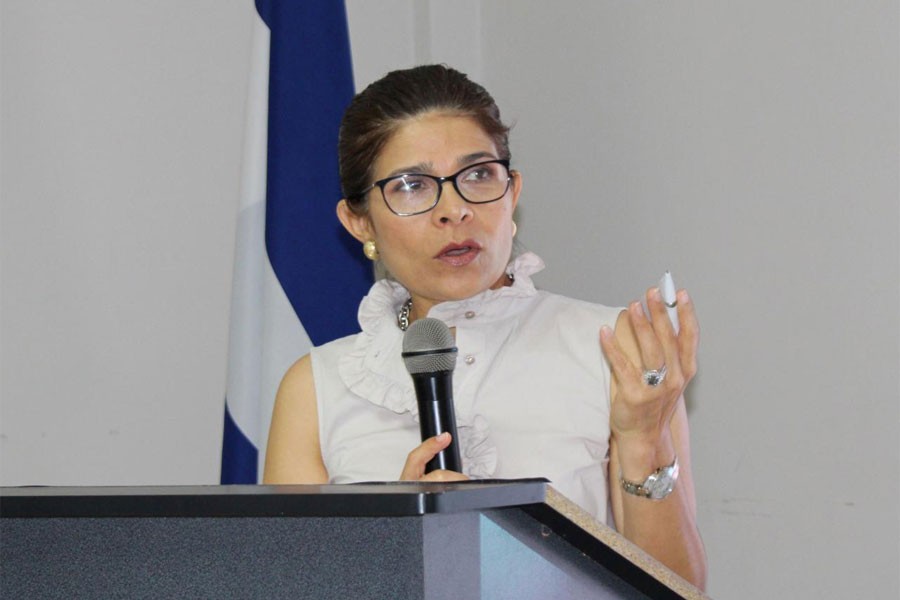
(417, 193)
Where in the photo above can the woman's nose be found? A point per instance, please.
(451, 207)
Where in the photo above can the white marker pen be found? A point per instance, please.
(667, 291)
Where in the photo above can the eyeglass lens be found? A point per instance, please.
(410, 194)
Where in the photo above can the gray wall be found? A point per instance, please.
(752, 148)
(121, 126)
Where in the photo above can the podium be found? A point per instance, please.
(464, 540)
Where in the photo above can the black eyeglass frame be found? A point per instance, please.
(381, 183)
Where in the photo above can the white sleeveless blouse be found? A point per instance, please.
(531, 389)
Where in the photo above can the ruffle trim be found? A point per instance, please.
(363, 368)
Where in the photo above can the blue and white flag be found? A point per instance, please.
(298, 277)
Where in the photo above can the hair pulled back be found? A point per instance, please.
(379, 110)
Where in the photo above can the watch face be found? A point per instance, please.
(659, 484)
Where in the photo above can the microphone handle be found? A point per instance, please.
(434, 393)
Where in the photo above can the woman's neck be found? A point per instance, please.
(420, 306)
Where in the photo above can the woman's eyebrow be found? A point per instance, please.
(422, 167)
(474, 157)
(427, 167)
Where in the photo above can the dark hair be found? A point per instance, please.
(375, 114)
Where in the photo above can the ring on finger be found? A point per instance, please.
(654, 377)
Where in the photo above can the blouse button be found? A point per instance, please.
(470, 359)
(470, 314)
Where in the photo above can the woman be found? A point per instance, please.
(424, 164)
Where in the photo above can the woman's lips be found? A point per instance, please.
(460, 254)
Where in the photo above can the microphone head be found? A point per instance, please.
(428, 347)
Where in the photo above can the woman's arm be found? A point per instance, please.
(649, 429)
(293, 454)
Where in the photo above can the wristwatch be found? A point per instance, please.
(657, 486)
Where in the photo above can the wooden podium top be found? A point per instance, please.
(389, 499)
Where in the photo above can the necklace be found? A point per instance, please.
(403, 315)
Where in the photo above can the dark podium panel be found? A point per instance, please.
(493, 540)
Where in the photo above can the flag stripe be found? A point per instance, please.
(298, 275)
(239, 455)
(310, 85)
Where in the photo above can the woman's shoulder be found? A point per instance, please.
(329, 353)
(567, 307)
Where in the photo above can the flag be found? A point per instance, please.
(298, 277)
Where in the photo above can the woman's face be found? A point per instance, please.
(457, 249)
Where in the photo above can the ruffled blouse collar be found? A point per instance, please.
(387, 296)
(373, 369)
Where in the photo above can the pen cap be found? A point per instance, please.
(667, 292)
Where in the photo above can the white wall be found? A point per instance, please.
(122, 125)
(750, 147)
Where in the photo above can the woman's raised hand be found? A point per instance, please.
(414, 469)
(641, 348)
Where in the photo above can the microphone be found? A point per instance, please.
(430, 357)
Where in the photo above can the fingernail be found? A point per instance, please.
(683, 296)
(606, 331)
(442, 437)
